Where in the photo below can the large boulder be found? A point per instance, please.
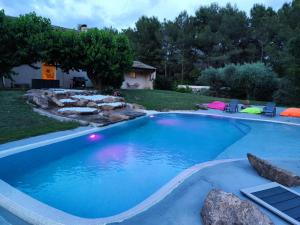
(134, 106)
(272, 172)
(110, 99)
(222, 208)
(133, 113)
(38, 100)
(111, 105)
(55, 101)
(81, 103)
(68, 102)
(92, 104)
(116, 117)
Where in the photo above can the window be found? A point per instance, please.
(132, 74)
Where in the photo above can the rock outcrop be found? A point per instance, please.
(39, 100)
(272, 172)
(84, 105)
(226, 208)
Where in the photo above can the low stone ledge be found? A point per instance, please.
(116, 117)
(63, 118)
(111, 105)
(226, 208)
(272, 172)
(78, 110)
(68, 102)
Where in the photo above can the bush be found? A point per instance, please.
(214, 78)
(164, 83)
(185, 89)
(287, 93)
(251, 81)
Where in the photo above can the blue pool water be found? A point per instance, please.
(111, 171)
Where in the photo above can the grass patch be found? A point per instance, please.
(169, 100)
(17, 119)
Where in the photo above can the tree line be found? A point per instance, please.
(25, 40)
(183, 48)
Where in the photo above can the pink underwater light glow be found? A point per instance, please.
(168, 122)
(117, 153)
(95, 137)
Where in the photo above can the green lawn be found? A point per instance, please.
(168, 100)
(17, 120)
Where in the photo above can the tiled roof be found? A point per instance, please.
(140, 65)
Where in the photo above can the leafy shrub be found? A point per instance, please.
(214, 78)
(164, 83)
(186, 89)
(251, 81)
(288, 93)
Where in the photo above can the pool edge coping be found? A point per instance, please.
(17, 149)
(22, 148)
(229, 116)
(17, 209)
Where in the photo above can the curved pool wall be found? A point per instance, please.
(112, 168)
(13, 173)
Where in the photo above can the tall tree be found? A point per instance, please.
(178, 39)
(146, 39)
(222, 35)
(22, 41)
(264, 26)
(6, 45)
(104, 54)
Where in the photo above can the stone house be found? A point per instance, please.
(140, 77)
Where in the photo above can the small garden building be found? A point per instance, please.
(141, 76)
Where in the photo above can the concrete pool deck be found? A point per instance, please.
(183, 205)
(238, 115)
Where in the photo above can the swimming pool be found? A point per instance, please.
(108, 172)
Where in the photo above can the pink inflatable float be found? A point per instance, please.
(217, 105)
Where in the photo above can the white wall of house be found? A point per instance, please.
(140, 81)
(27, 73)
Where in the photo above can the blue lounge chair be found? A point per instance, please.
(270, 109)
(233, 106)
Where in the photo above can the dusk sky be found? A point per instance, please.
(116, 13)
